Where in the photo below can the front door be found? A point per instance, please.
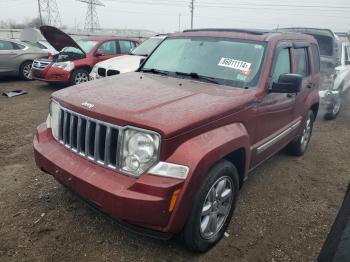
(275, 111)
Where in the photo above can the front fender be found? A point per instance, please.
(200, 153)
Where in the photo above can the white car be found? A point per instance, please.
(126, 63)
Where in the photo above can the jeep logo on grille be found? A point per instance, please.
(88, 105)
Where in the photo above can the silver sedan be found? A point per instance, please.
(16, 58)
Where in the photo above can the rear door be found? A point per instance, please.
(306, 67)
(8, 53)
(275, 112)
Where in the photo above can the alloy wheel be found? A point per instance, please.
(81, 77)
(27, 71)
(216, 208)
(305, 139)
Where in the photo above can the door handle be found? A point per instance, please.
(291, 95)
(310, 85)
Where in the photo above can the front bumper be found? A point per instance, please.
(328, 98)
(142, 202)
(51, 75)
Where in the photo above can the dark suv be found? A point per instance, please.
(167, 148)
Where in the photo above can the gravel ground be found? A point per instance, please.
(285, 210)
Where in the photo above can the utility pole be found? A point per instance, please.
(91, 20)
(179, 22)
(40, 14)
(192, 12)
(49, 13)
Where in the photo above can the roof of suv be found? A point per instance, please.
(247, 34)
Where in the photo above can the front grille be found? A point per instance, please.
(41, 65)
(112, 72)
(90, 138)
(101, 72)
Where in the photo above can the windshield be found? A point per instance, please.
(86, 45)
(228, 62)
(147, 47)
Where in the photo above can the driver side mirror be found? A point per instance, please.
(99, 53)
(287, 83)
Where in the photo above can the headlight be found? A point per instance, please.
(54, 118)
(67, 66)
(140, 151)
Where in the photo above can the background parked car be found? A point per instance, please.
(127, 63)
(335, 68)
(34, 37)
(16, 58)
(77, 58)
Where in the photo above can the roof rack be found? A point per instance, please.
(248, 31)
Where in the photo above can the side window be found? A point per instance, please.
(108, 48)
(302, 61)
(347, 53)
(6, 45)
(282, 64)
(315, 58)
(126, 46)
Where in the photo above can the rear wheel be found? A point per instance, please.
(299, 145)
(25, 71)
(79, 76)
(213, 208)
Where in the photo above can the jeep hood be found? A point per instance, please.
(124, 64)
(170, 106)
(58, 39)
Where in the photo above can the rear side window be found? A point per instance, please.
(315, 58)
(302, 61)
(108, 48)
(282, 65)
(126, 46)
(6, 45)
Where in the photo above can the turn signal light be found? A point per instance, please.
(174, 200)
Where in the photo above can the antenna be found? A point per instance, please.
(49, 13)
(91, 20)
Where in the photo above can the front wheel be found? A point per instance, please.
(299, 145)
(79, 76)
(213, 208)
(335, 110)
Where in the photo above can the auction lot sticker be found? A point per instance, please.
(234, 64)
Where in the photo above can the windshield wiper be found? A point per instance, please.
(155, 71)
(197, 76)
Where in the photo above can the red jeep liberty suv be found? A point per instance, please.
(167, 148)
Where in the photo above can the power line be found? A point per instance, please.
(91, 20)
(49, 13)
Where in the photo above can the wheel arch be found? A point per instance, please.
(201, 153)
(314, 108)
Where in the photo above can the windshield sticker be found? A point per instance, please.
(235, 64)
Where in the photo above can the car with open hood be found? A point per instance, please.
(166, 149)
(126, 63)
(16, 58)
(76, 58)
(335, 68)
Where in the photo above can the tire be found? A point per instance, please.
(299, 146)
(335, 110)
(223, 175)
(25, 71)
(79, 76)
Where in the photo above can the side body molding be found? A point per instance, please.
(200, 153)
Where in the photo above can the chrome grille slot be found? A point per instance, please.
(90, 138)
(41, 65)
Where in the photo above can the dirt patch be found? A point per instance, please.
(285, 210)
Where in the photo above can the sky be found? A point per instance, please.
(165, 16)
